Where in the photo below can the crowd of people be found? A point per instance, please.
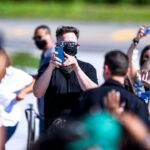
(76, 112)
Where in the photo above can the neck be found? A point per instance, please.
(46, 49)
(49, 45)
(119, 79)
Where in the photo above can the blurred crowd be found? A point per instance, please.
(75, 112)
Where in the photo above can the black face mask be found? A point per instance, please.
(70, 48)
(40, 44)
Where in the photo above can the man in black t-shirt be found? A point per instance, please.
(62, 83)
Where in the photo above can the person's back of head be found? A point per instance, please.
(4, 62)
(118, 62)
(66, 29)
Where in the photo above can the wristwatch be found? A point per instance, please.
(135, 41)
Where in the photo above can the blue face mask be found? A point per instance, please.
(70, 48)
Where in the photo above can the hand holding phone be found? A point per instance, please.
(147, 31)
(60, 52)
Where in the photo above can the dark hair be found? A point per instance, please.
(66, 29)
(48, 30)
(145, 49)
(117, 61)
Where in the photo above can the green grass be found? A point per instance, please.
(21, 59)
(76, 11)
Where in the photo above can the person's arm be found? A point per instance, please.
(140, 34)
(131, 122)
(42, 83)
(2, 137)
(22, 93)
(136, 129)
(84, 81)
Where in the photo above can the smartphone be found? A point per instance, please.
(60, 52)
(147, 31)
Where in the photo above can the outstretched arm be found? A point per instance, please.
(22, 93)
(140, 34)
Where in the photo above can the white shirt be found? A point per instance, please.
(13, 81)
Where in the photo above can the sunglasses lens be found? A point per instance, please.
(37, 38)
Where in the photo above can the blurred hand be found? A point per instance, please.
(20, 95)
(145, 79)
(141, 33)
(112, 103)
(136, 127)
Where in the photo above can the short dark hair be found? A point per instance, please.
(145, 49)
(118, 62)
(66, 29)
(48, 30)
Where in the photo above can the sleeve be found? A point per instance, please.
(90, 71)
(42, 69)
(18, 80)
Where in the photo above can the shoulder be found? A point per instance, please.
(43, 67)
(15, 71)
(85, 65)
(92, 93)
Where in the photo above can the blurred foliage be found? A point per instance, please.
(76, 11)
(138, 2)
(22, 59)
(90, 10)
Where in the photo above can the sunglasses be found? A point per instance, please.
(37, 38)
(70, 44)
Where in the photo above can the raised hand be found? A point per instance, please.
(112, 103)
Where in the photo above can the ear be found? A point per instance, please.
(106, 72)
(78, 45)
(128, 73)
(106, 68)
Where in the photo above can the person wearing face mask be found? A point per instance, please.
(61, 83)
(44, 42)
(140, 76)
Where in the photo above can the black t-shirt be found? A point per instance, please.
(96, 97)
(63, 90)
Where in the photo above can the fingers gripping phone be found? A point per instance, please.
(147, 31)
(60, 52)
